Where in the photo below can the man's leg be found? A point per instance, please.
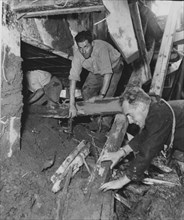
(92, 86)
(111, 91)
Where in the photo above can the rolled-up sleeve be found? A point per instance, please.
(155, 135)
(76, 68)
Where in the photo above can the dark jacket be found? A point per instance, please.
(156, 134)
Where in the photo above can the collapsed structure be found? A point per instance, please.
(39, 35)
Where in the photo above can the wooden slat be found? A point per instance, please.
(165, 51)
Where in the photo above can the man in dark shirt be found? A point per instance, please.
(161, 123)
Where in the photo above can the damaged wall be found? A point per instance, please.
(11, 83)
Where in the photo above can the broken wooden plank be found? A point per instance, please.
(106, 106)
(74, 160)
(113, 143)
(178, 38)
(151, 181)
(122, 33)
(165, 51)
(122, 200)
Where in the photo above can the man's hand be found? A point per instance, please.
(113, 156)
(116, 184)
(72, 111)
(95, 98)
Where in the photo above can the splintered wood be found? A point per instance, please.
(74, 161)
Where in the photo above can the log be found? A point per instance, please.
(106, 106)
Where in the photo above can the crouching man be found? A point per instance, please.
(105, 66)
(43, 87)
(161, 123)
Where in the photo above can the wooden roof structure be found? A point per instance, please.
(36, 8)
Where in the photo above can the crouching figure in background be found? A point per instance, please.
(43, 87)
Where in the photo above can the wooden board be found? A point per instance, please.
(107, 106)
(121, 29)
(165, 51)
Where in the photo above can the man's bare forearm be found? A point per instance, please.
(106, 81)
(72, 92)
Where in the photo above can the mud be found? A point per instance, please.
(25, 187)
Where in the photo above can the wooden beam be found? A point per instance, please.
(140, 38)
(178, 38)
(64, 11)
(165, 51)
(104, 107)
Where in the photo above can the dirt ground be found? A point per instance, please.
(25, 186)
